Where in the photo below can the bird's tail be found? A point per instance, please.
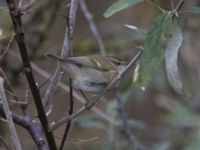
(62, 59)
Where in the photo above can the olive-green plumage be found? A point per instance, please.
(90, 73)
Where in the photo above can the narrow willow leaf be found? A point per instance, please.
(154, 49)
(191, 10)
(120, 5)
(171, 59)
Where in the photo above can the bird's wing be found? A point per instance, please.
(98, 62)
(93, 61)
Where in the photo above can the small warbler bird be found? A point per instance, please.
(91, 73)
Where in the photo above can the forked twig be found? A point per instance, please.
(92, 25)
(64, 53)
(9, 117)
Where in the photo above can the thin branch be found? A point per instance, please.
(91, 103)
(9, 117)
(123, 115)
(71, 104)
(92, 25)
(3, 143)
(175, 12)
(67, 44)
(7, 47)
(124, 119)
(9, 84)
(20, 38)
(179, 5)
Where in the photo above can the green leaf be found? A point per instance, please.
(171, 59)
(191, 10)
(154, 49)
(120, 5)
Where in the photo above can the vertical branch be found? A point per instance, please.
(20, 38)
(67, 44)
(123, 115)
(9, 117)
(93, 28)
(71, 106)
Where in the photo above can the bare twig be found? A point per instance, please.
(9, 84)
(9, 117)
(64, 53)
(125, 125)
(71, 107)
(123, 115)
(91, 103)
(92, 25)
(7, 47)
(179, 5)
(3, 143)
(20, 38)
(177, 8)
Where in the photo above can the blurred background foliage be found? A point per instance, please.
(159, 118)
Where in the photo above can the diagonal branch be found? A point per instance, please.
(93, 28)
(20, 38)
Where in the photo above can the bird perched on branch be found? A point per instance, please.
(91, 73)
